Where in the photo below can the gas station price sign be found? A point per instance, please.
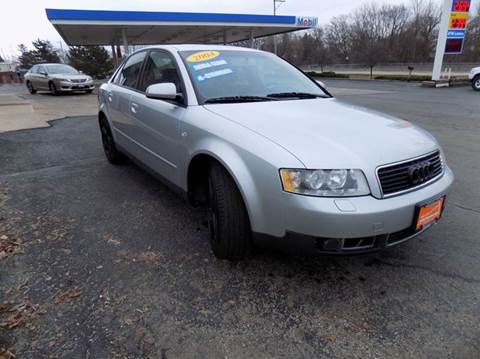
(461, 6)
(458, 21)
(457, 26)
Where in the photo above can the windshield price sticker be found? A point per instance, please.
(203, 56)
(211, 75)
(207, 65)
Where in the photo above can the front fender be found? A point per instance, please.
(252, 160)
(257, 180)
(237, 169)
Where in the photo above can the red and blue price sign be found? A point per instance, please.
(461, 5)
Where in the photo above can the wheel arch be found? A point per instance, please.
(197, 171)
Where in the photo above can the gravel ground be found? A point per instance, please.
(98, 261)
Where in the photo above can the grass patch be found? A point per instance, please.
(327, 74)
(403, 77)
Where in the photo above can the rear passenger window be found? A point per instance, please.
(129, 74)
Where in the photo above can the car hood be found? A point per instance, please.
(326, 133)
(70, 77)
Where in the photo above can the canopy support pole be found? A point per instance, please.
(125, 41)
(251, 38)
(114, 55)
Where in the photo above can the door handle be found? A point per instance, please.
(134, 107)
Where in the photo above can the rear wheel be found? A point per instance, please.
(53, 88)
(30, 88)
(476, 83)
(114, 156)
(228, 222)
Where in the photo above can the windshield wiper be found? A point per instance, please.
(302, 95)
(237, 99)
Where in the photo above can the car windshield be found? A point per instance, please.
(246, 76)
(61, 69)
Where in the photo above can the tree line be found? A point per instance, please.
(370, 35)
(375, 34)
(92, 60)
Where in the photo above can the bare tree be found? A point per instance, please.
(339, 38)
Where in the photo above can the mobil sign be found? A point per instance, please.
(307, 21)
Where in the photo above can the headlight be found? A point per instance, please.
(325, 183)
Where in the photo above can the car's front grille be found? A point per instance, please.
(410, 174)
(78, 81)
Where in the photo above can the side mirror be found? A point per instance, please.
(43, 73)
(80, 72)
(162, 91)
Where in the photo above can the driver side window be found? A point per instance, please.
(159, 68)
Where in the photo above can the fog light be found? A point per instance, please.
(332, 244)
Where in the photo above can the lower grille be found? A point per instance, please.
(410, 174)
(364, 244)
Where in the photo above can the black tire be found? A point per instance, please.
(476, 83)
(114, 156)
(230, 231)
(89, 91)
(52, 88)
(30, 88)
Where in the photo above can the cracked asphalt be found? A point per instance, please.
(106, 262)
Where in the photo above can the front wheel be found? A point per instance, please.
(89, 91)
(30, 88)
(476, 83)
(53, 88)
(228, 222)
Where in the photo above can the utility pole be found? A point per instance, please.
(275, 7)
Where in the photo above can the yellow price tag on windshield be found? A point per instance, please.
(202, 56)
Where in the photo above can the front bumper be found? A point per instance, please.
(71, 86)
(351, 225)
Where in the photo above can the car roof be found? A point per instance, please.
(198, 47)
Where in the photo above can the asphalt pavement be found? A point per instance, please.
(105, 262)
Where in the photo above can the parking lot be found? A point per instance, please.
(106, 262)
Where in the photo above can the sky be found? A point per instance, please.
(24, 20)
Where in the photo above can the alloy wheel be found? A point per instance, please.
(477, 84)
(53, 88)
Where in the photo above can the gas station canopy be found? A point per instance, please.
(99, 27)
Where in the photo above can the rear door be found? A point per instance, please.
(118, 98)
(157, 122)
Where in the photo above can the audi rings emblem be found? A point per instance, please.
(421, 172)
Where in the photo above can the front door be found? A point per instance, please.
(157, 122)
(42, 78)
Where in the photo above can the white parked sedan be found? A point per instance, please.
(273, 157)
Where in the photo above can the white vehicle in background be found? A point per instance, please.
(474, 77)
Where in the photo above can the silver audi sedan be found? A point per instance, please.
(57, 78)
(275, 160)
